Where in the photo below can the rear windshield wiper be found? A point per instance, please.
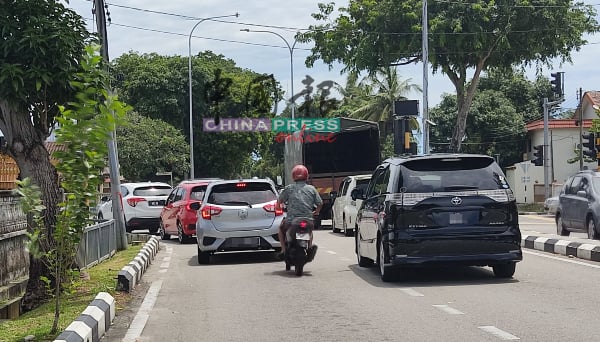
(238, 203)
(460, 187)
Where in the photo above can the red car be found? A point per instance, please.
(176, 217)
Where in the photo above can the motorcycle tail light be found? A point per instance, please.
(133, 201)
(303, 224)
(209, 211)
(272, 207)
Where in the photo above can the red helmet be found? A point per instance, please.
(299, 172)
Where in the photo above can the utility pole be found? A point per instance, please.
(580, 130)
(113, 160)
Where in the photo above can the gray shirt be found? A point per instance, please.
(301, 199)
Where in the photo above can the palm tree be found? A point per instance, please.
(376, 93)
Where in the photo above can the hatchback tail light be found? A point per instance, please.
(209, 211)
(133, 201)
(272, 207)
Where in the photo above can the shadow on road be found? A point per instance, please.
(429, 276)
(238, 258)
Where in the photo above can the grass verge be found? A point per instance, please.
(102, 278)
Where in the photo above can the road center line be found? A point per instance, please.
(499, 333)
(331, 252)
(562, 259)
(449, 310)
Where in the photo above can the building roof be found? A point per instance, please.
(558, 123)
(593, 97)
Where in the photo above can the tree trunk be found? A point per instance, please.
(464, 99)
(25, 144)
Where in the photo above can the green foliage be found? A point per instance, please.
(84, 128)
(494, 126)
(40, 41)
(465, 38)
(157, 87)
(147, 146)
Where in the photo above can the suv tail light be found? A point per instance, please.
(209, 211)
(133, 201)
(273, 207)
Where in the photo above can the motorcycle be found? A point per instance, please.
(299, 249)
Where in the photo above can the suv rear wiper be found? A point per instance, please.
(460, 187)
(238, 203)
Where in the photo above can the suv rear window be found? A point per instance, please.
(242, 193)
(451, 174)
(155, 190)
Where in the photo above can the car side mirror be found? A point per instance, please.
(357, 194)
(581, 193)
(104, 199)
(195, 206)
(333, 195)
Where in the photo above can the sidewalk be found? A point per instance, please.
(563, 245)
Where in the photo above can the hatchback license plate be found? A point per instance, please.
(155, 203)
(245, 242)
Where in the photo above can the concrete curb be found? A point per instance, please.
(131, 274)
(563, 247)
(96, 319)
(91, 325)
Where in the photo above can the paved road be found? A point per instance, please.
(250, 297)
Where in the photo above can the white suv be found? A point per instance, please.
(142, 204)
(344, 209)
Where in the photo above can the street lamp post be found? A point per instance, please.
(190, 86)
(291, 49)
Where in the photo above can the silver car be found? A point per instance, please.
(237, 215)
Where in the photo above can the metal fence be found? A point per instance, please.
(99, 242)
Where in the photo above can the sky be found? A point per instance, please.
(164, 27)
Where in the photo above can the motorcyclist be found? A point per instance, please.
(301, 199)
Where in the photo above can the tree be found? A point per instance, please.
(148, 146)
(494, 127)
(157, 87)
(465, 38)
(42, 43)
(84, 127)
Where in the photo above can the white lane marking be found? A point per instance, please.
(411, 292)
(449, 310)
(167, 258)
(165, 265)
(345, 259)
(499, 333)
(140, 319)
(331, 252)
(562, 259)
(164, 270)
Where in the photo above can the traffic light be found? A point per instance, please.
(557, 83)
(539, 155)
(589, 142)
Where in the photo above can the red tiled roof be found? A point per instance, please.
(593, 96)
(52, 147)
(558, 123)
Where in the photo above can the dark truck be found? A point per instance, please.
(330, 157)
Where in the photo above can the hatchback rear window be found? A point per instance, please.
(198, 192)
(155, 190)
(451, 174)
(242, 193)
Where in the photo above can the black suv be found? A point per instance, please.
(444, 208)
(579, 205)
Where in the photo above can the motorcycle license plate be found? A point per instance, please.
(302, 236)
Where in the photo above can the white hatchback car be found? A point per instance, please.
(142, 204)
(344, 209)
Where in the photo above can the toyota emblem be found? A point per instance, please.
(456, 200)
(243, 214)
